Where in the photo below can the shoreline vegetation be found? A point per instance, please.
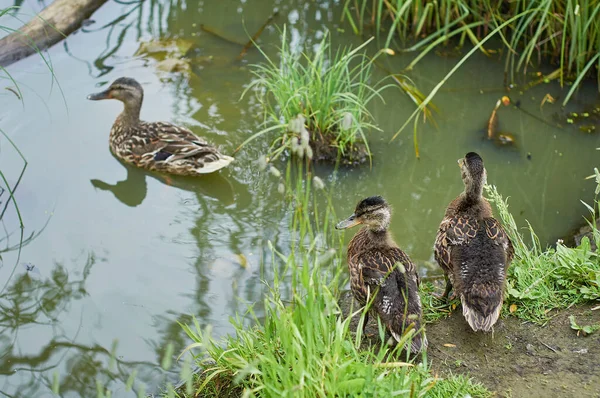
(560, 32)
(303, 346)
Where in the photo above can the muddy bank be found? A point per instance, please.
(517, 360)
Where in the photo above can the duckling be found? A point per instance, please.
(473, 249)
(378, 267)
(156, 146)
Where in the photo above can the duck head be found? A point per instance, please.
(374, 212)
(124, 89)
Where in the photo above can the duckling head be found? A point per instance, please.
(124, 89)
(473, 173)
(374, 212)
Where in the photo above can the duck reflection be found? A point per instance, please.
(132, 190)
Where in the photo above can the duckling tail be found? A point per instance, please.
(482, 309)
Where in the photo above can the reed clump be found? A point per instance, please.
(316, 102)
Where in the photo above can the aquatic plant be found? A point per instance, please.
(544, 279)
(329, 90)
(560, 31)
(302, 346)
(7, 192)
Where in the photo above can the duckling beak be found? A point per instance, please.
(461, 161)
(348, 223)
(100, 96)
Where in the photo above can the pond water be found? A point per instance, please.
(123, 256)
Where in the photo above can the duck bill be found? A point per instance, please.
(461, 161)
(100, 96)
(348, 223)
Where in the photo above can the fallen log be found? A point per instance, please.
(50, 26)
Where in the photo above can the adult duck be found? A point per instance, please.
(157, 146)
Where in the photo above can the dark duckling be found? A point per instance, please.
(378, 267)
(473, 249)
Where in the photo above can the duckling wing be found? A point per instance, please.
(498, 235)
(391, 276)
(453, 231)
(378, 264)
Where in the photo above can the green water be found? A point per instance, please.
(123, 256)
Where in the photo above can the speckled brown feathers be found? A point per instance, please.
(157, 145)
(473, 250)
(383, 274)
(165, 147)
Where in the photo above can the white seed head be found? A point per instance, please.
(309, 152)
(296, 124)
(262, 162)
(276, 173)
(401, 268)
(294, 144)
(318, 183)
(347, 121)
(304, 137)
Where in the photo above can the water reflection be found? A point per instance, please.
(133, 189)
(41, 303)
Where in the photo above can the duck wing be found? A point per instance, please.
(165, 142)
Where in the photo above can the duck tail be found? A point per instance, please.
(211, 167)
(481, 309)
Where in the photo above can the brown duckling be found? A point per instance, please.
(156, 146)
(473, 249)
(378, 267)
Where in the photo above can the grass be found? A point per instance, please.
(7, 192)
(542, 280)
(561, 31)
(304, 347)
(330, 90)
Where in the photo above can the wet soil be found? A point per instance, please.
(326, 150)
(518, 359)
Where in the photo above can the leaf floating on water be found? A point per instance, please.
(173, 65)
(512, 308)
(159, 49)
(450, 345)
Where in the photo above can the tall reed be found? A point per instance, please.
(564, 32)
(330, 89)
